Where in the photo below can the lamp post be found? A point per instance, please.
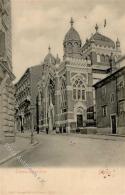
(32, 129)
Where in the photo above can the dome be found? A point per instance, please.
(103, 40)
(49, 59)
(99, 39)
(72, 34)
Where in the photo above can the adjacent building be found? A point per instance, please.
(66, 94)
(26, 98)
(7, 102)
(110, 102)
(99, 49)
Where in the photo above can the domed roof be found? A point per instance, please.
(49, 59)
(99, 39)
(72, 34)
(102, 40)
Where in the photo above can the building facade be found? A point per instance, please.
(26, 98)
(66, 95)
(110, 103)
(99, 49)
(120, 62)
(65, 92)
(7, 101)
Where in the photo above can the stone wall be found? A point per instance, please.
(7, 101)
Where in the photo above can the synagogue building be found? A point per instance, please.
(66, 97)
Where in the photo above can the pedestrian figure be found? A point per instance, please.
(22, 129)
(37, 129)
(60, 129)
(47, 130)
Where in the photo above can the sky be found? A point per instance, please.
(36, 24)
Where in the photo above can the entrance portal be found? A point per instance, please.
(113, 124)
(79, 120)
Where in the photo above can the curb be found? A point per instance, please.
(90, 136)
(16, 154)
(10, 157)
(108, 138)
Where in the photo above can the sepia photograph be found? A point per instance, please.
(62, 97)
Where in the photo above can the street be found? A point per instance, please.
(72, 151)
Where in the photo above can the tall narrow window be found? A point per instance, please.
(107, 59)
(83, 94)
(79, 94)
(98, 58)
(63, 95)
(102, 58)
(74, 93)
(104, 110)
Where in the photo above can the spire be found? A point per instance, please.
(57, 59)
(96, 27)
(71, 22)
(49, 58)
(118, 44)
(118, 40)
(49, 49)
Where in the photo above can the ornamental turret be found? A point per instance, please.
(72, 43)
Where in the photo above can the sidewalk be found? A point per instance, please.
(9, 151)
(114, 137)
(98, 136)
(102, 137)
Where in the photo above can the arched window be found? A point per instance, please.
(115, 58)
(78, 90)
(98, 58)
(63, 95)
(107, 59)
(51, 91)
(102, 58)
(76, 44)
(70, 44)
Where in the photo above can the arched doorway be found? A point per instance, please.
(79, 117)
